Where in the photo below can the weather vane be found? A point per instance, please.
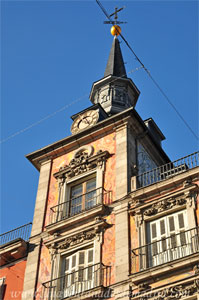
(115, 29)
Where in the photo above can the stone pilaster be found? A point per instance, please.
(31, 272)
(121, 242)
(41, 198)
(121, 162)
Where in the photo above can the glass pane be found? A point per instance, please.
(91, 185)
(76, 190)
(76, 206)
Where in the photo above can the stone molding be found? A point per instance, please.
(83, 161)
(86, 235)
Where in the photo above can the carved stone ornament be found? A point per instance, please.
(83, 161)
(171, 293)
(163, 205)
(76, 239)
(143, 287)
(95, 232)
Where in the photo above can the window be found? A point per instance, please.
(83, 196)
(78, 272)
(169, 238)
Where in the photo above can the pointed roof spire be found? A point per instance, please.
(115, 65)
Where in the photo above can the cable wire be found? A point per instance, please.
(149, 74)
(60, 110)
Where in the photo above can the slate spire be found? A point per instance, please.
(115, 65)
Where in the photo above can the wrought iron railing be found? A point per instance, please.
(83, 202)
(22, 232)
(77, 282)
(165, 250)
(168, 170)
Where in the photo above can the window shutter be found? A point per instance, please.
(81, 258)
(154, 231)
(73, 268)
(81, 266)
(181, 227)
(90, 256)
(171, 224)
(163, 232)
(162, 227)
(154, 236)
(181, 221)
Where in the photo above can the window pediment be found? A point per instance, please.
(164, 205)
(82, 161)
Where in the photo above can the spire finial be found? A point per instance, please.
(115, 29)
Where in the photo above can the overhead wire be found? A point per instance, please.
(149, 74)
(59, 110)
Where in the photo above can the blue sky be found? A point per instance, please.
(52, 51)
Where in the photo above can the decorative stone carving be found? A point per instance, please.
(138, 219)
(76, 239)
(171, 293)
(143, 287)
(164, 205)
(53, 251)
(187, 182)
(83, 161)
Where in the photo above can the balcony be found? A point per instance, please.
(168, 170)
(13, 244)
(166, 250)
(82, 207)
(22, 232)
(91, 280)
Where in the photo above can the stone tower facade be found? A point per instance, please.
(114, 217)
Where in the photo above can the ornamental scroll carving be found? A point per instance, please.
(171, 293)
(163, 205)
(83, 161)
(77, 239)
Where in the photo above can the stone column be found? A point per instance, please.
(30, 279)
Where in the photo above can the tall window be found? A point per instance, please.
(83, 196)
(78, 272)
(169, 238)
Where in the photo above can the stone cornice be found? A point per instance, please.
(179, 183)
(86, 136)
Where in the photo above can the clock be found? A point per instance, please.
(85, 120)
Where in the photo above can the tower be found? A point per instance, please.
(114, 217)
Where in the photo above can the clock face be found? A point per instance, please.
(84, 121)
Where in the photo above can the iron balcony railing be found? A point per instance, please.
(22, 232)
(77, 282)
(79, 204)
(165, 250)
(168, 170)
